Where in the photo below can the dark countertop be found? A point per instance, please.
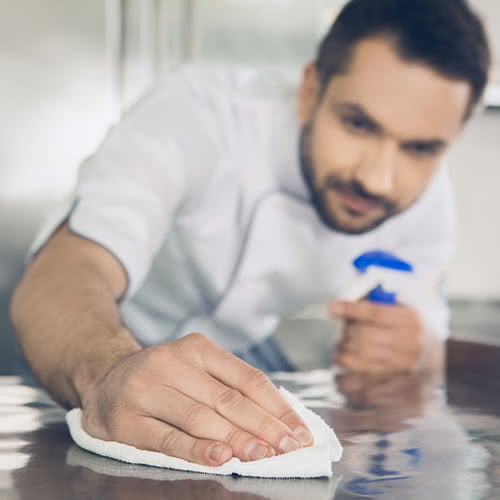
(404, 437)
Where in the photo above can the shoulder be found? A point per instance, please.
(213, 121)
(215, 101)
(229, 84)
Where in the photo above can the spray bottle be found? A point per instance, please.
(380, 277)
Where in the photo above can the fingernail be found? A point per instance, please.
(288, 444)
(337, 309)
(256, 451)
(304, 437)
(271, 453)
(219, 453)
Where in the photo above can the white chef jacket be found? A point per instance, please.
(198, 192)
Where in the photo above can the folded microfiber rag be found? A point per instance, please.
(314, 461)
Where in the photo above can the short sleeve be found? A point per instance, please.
(129, 191)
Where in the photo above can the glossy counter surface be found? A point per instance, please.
(404, 437)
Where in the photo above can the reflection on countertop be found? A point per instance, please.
(405, 436)
(477, 320)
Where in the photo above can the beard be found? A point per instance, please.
(331, 186)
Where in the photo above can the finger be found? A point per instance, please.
(367, 336)
(367, 354)
(195, 383)
(353, 363)
(403, 344)
(200, 421)
(257, 387)
(360, 337)
(378, 353)
(373, 359)
(382, 315)
(148, 433)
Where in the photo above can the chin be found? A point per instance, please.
(347, 225)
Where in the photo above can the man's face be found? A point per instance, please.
(372, 140)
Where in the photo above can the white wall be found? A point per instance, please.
(475, 172)
(490, 12)
(55, 107)
(53, 93)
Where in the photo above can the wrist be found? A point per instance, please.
(92, 366)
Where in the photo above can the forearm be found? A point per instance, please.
(68, 324)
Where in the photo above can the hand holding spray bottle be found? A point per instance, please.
(381, 275)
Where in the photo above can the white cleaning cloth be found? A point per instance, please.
(314, 461)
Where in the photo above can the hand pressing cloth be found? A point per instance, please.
(314, 461)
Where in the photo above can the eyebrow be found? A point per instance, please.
(378, 128)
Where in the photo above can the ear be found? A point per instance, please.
(308, 93)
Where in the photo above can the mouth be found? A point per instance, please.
(356, 204)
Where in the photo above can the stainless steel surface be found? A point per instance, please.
(478, 320)
(401, 440)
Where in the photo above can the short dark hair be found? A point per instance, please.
(444, 34)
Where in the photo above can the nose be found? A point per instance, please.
(377, 168)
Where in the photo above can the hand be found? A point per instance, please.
(193, 400)
(378, 338)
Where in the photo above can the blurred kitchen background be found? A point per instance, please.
(70, 68)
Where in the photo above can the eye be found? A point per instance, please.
(357, 124)
(422, 150)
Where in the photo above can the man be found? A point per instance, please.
(218, 206)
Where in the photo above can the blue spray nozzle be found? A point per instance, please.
(379, 258)
(385, 260)
(380, 296)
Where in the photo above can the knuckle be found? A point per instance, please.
(196, 339)
(257, 380)
(169, 440)
(197, 344)
(198, 450)
(117, 426)
(287, 414)
(236, 438)
(266, 423)
(133, 385)
(94, 425)
(350, 308)
(193, 415)
(132, 395)
(228, 399)
(159, 356)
